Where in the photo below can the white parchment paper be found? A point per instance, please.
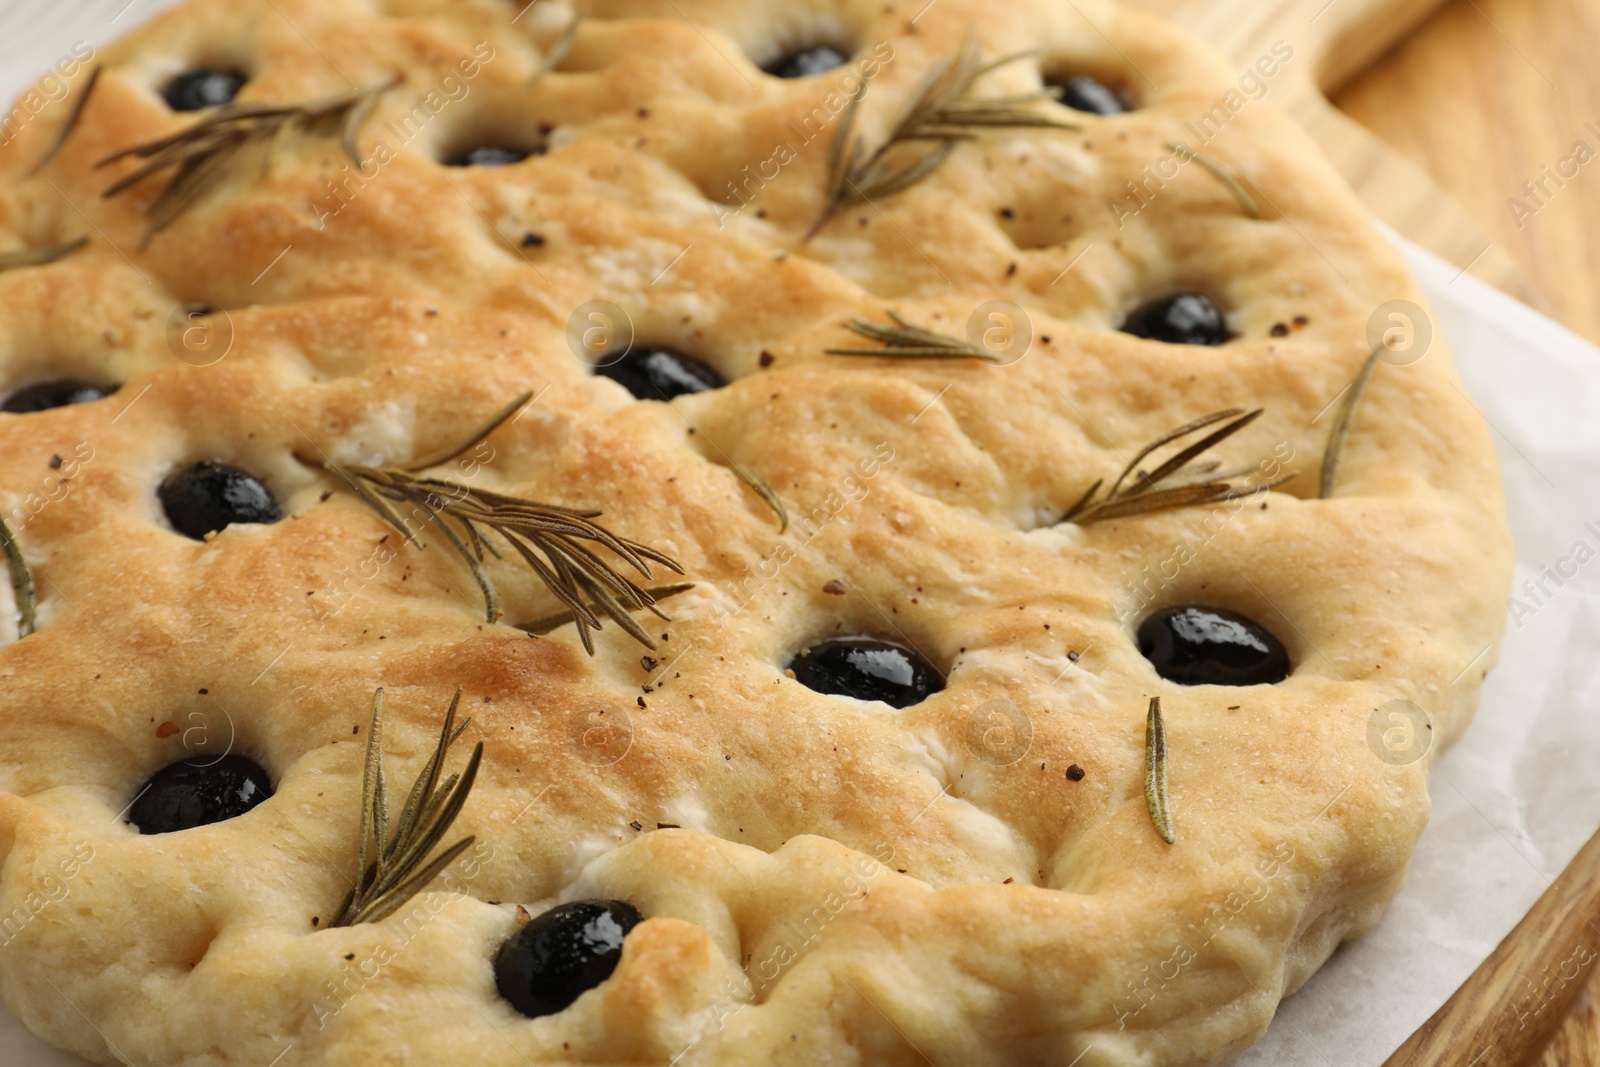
(1512, 802)
(1519, 795)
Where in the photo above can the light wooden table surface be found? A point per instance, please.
(1485, 96)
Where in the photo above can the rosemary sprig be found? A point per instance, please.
(70, 124)
(33, 257)
(21, 580)
(1155, 771)
(941, 112)
(558, 51)
(545, 623)
(200, 153)
(579, 579)
(765, 491)
(905, 341)
(391, 859)
(1341, 423)
(1178, 482)
(1226, 177)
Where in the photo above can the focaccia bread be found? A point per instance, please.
(966, 862)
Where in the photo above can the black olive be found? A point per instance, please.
(208, 496)
(867, 668)
(53, 394)
(198, 791)
(1083, 93)
(1181, 319)
(488, 155)
(806, 62)
(197, 89)
(651, 372)
(1196, 645)
(562, 953)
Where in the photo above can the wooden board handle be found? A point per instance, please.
(1336, 40)
(1333, 42)
(1505, 1014)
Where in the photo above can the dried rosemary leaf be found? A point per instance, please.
(21, 580)
(939, 114)
(551, 540)
(391, 855)
(70, 124)
(1179, 481)
(1155, 771)
(905, 341)
(1180, 497)
(764, 491)
(496, 420)
(1225, 176)
(558, 51)
(1341, 423)
(199, 155)
(657, 593)
(34, 257)
(1083, 501)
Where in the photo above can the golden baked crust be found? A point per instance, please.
(847, 883)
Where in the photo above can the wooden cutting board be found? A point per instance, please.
(1333, 42)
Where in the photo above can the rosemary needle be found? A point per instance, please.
(558, 50)
(1178, 482)
(550, 539)
(21, 580)
(69, 124)
(764, 490)
(34, 257)
(390, 855)
(200, 154)
(545, 623)
(1341, 423)
(905, 341)
(940, 114)
(1155, 771)
(1225, 176)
